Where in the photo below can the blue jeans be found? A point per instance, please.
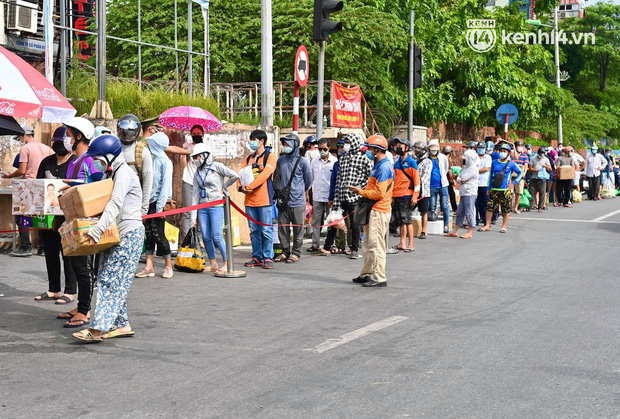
(444, 202)
(262, 237)
(211, 225)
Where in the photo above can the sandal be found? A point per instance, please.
(503, 230)
(292, 259)
(337, 251)
(212, 269)
(483, 229)
(65, 299)
(313, 249)
(281, 258)
(115, 333)
(45, 297)
(87, 337)
(323, 252)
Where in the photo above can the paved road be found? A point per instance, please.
(516, 325)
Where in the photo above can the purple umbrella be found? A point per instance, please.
(185, 117)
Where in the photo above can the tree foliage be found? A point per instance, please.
(460, 85)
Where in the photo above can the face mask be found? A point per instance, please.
(609, 154)
(197, 139)
(463, 162)
(59, 148)
(99, 166)
(74, 145)
(67, 143)
(324, 154)
(287, 149)
(570, 154)
(503, 155)
(434, 152)
(400, 151)
(347, 147)
(481, 151)
(520, 149)
(254, 145)
(529, 152)
(340, 152)
(369, 155)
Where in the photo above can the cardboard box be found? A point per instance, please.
(417, 227)
(566, 172)
(37, 196)
(73, 232)
(88, 200)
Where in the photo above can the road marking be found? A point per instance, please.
(611, 214)
(596, 220)
(356, 334)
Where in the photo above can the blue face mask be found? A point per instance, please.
(481, 151)
(287, 150)
(503, 155)
(99, 166)
(369, 155)
(254, 145)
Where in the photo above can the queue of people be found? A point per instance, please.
(367, 184)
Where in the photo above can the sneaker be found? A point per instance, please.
(392, 250)
(22, 252)
(253, 263)
(40, 251)
(168, 273)
(144, 273)
(354, 255)
(361, 279)
(422, 236)
(268, 264)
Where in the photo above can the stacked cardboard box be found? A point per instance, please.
(88, 200)
(73, 232)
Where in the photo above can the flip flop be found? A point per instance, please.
(321, 253)
(281, 258)
(338, 252)
(209, 269)
(503, 230)
(45, 297)
(73, 326)
(65, 316)
(482, 229)
(65, 299)
(87, 337)
(292, 259)
(117, 334)
(450, 235)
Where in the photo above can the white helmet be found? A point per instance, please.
(200, 148)
(83, 125)
(433, 142)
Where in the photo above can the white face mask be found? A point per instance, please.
(434, 152)
(347, 147)
(67, 143)
(323, 154)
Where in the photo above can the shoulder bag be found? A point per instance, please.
(285, 194)
(498, 179)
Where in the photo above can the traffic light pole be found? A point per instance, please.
(411, 48)
(319, 99)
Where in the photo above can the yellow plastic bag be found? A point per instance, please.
(172, 233)
(189, 257)
(576, 196)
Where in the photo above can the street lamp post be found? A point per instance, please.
(556, 39)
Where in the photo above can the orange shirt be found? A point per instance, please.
(402, 184)
(380, 186)
(259, 197)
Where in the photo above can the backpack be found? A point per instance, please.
(260, 168)
(138, 156)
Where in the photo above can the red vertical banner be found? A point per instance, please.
(346, 106)
(82, 11)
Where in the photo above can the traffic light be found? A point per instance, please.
(322, 26)
(418, 63)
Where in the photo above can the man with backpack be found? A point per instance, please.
(292, 179)
(259, 200)
(502, 185)
(137, 154)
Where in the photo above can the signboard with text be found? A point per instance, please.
(82, 11)
(346, 106)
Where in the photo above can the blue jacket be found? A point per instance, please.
(332, 182)
(302, 180)
(162, 170)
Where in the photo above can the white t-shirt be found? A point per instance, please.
(483, 178)
(321, 175)
(190, 167)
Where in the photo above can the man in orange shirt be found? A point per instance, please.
(406, 193)
(379, 189)
(259, 200)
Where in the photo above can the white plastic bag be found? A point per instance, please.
(246, 176)
(608, 190)
(335, 215)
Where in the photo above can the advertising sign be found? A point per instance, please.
(346, 106)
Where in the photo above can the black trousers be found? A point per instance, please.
(594, 183)
(82, 271)
(452, 195)
(564, 190)
(355, 228)
(156, 234)
(50, 240)
(24, 236)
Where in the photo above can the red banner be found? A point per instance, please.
(346, 106)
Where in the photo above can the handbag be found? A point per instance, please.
(498, 179)
(189, 257)
(543, 174)
(284, 194)
(361, 216)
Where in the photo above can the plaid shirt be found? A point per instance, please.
(425, 168)
(354, 170)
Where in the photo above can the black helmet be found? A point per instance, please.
(481, 144)
(421, 145)
(470, 144)
(447, 149)
(128, 128)
(403, 141)
(518, 143)
(542, 150)
(608, 150)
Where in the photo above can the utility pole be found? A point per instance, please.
(48, 11)
(190, 73)
(101, 49)
(319, 99)
(411, 48)
(63, 47)
(557, 67)
(267, 97)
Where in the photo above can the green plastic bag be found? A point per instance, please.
(526, 197)
(456, 170)
(617, 192)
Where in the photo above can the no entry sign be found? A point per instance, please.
(302, 67)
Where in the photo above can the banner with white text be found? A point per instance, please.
(346, 106)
